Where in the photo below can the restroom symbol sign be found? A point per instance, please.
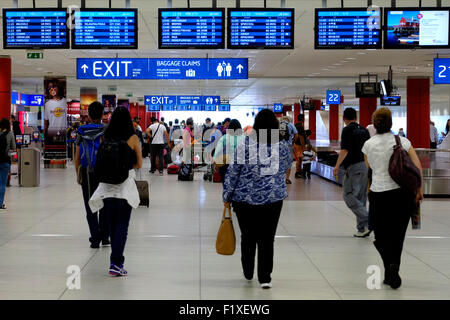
(224, 69)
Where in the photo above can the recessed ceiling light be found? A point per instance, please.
(325, 69)
(362, 52)
(350, 58)
(337, 64)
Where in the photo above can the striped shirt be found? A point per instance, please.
(307, 156)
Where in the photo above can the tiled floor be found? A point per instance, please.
(170, 252)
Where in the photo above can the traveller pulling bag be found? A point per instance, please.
(226, 239)
(402, 170)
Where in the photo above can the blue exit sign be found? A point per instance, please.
(333, 97)
(441, 71)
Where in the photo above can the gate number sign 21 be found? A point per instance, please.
(333, 97)
(442, 71)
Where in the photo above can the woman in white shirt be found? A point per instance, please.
(390, 205)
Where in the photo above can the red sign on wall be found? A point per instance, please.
(73, 107)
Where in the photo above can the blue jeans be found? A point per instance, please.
(4, 171)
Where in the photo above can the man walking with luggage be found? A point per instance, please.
(355, 180)
(157, 132)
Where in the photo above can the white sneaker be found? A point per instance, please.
(363, 234)
(266, 285)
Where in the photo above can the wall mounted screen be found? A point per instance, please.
(35, 29)
(253, 28)
(105, 29)
(191, 28)
(410, 28)
(355, 28)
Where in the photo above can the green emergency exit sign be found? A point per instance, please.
(35, 55)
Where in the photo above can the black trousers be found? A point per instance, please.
(119, 213)
(433, 145)
(157, 150)
(307, 170)
(258, 226)
(98, 224)
(390, 212)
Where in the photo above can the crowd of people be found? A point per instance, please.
(107, 157)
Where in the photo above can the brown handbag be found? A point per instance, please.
(402, 170)
(226, 239)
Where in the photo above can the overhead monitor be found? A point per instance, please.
(390, 100)
(201, 28)
(105, 29)
(35, 29)
(415, 28)
(349, 28)
(253, 28)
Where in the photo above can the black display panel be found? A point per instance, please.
(105, 29)
(42, 28)
(194, 28)
(349, 28)
(252, 28)
(415, 28)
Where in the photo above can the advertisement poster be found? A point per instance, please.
(55, 118)
(109, 101)
(87, 96)
(124, 103)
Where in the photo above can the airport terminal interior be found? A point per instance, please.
(158, 59)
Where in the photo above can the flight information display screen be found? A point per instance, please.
(261, 28)
(35, 29)
(409, 28)
(191, 28)
(355, 28)
(105, 29)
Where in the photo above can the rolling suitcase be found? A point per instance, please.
(144, 192)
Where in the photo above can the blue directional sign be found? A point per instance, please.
(35, 100)
(442, 71)
(211, 100)
(162, 68)
(189, 100)
(278, 107)
(333, 97)
(153, 108)
(224, 107)
(160, 100)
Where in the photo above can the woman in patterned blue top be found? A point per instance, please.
(255, 185)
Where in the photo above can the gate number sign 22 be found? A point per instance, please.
(333, 96)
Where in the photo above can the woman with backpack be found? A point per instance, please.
(117, 192)
(7, 144)
(390, 205)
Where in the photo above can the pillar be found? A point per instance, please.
(334, 122)
(367, 106)
(418, 111)
(5, 87)
(297, 111)
(312, 118)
